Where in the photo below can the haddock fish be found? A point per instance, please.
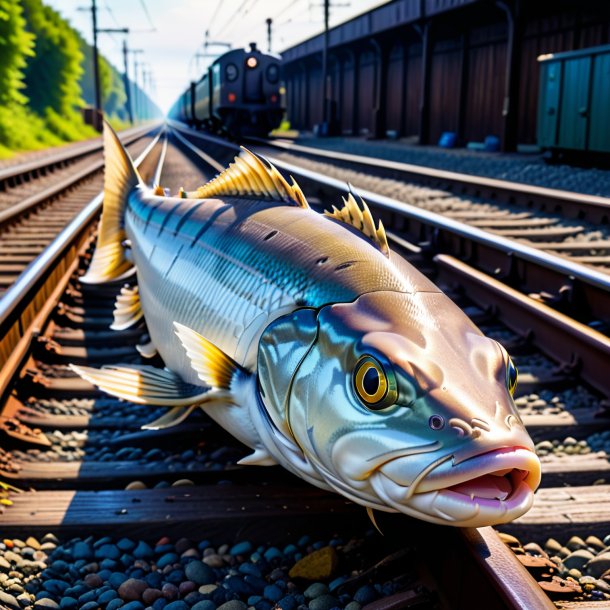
(313, 343)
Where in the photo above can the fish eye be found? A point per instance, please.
(511, 376)
(375, 384)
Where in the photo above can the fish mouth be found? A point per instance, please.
(487, 489)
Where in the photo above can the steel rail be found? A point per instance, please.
(22, 302)
(597, 207)
(562, 266)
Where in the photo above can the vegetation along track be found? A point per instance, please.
(243, 533)
(39, 197)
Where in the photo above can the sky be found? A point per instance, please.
(172, 32)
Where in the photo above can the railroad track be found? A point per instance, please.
(562, 222)
(92, 449)
(38, 198)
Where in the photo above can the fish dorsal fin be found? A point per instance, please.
(127, 308)
(361, 219)
(212, 365)
(252, 176)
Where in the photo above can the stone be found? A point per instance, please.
(318, 565)
(315, 590)
(93, 580)
(107, 596)
(142, 551)
(509, 540)
(200, 573)
(273, 593)
(5, 566)
(6, 599)
(55, 586)
(598, 565)
(535, 549)
(177, 605)
(214, 560)
(68, 603)
(81, 550)
(353, 606)
(93, 605)
(167, 559)
(324, 602)
(46, 603)
(186, 587)
(135, 485)
(208, 589)
(288, 602)
(33, 543)
(595, 543)
(577, 559)
(115, 604)
(234, 604)
(132, 589)
(134, 605)
(241, 548)
(206, 604)
(575, 543)
(116, 579)
(552, 546)
(365, 595)
(150, 595)
(170, 592)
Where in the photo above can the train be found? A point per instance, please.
(240, 94)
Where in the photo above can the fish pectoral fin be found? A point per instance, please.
(260, 457)
(212, 365)
(177, 415)
(127, 308)
(143, 384)
(147, 350)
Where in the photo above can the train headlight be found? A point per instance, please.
(251, 62)
(231, 72)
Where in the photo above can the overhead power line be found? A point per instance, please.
(145, 9)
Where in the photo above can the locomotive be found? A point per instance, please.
(240, 94)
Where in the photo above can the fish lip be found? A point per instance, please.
(488, 462)
(433, 497)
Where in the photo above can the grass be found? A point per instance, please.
(23, 130)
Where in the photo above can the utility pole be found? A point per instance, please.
(325, 117)
(96, 67)
(269, 22)
(126, 81)
(137, 92)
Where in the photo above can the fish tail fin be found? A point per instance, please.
(109, 261)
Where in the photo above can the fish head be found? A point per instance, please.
(402, 404)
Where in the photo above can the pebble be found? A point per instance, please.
(6, 599)
(205, 604)
(324, 602)
(132, 589)
(200, 573)
(177, 605)
(46, 603)
(599, 565)
(319, 565)
(115, 604)
(234, 604)
(214, 561)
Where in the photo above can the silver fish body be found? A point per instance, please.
(336, 358)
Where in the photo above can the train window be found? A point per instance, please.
(273, 73)
(231, 72)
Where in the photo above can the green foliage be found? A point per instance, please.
(46, 76)
(15, 46)
(52, 75)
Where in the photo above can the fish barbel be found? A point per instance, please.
(313, 343)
